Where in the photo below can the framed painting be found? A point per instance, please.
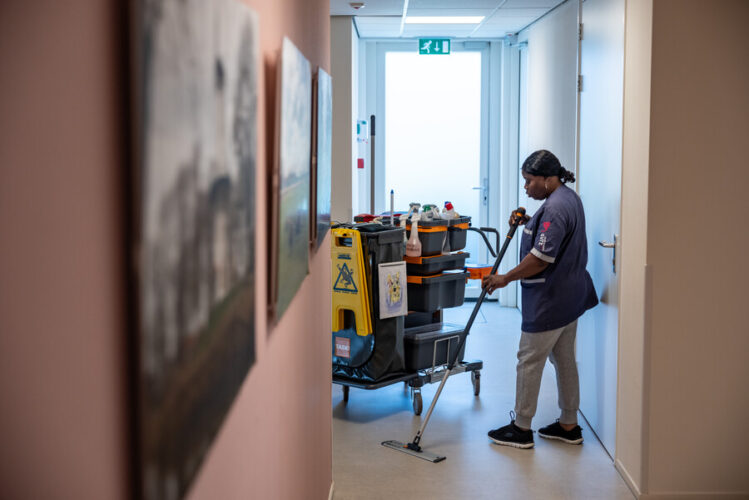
(291, 224)
(195, 99)
(322, 157)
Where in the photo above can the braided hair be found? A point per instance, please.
(545, 164)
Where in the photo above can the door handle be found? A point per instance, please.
(606, 244)
(484, 188)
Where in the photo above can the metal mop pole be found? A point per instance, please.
(414, 445)
(372, 165)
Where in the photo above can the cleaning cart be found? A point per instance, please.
(371, 350)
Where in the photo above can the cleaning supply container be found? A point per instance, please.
(432, 234)
(439, 291)
(457, 232)
(430, 346)
(434, 264)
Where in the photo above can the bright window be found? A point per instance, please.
(433, 130)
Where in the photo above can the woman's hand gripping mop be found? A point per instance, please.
(413, 447)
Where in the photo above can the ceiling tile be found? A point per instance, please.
(377, 33)
(441, 30)
(378, 21)
(382, 18)
(371, 8)
(511, 13)
(378, 26)
(531, 4)
(501, 28)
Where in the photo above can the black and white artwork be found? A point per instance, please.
(197, 101)
(294, 158)
(324, 145)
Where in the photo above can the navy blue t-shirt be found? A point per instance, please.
(563, 291)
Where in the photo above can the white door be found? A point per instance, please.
(601, 101)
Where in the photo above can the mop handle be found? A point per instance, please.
(519, 213)
(414, 445)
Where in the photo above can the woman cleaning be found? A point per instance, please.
(556, 291)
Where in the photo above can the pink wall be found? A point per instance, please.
(62, 404)
(276, 441)
(63, 419)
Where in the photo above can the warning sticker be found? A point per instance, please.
(345, 280)
(342, 347)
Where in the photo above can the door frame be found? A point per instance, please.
(607, 432)
(375, 63)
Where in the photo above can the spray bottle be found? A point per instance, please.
(448, 212)
(413, 247)
(403, 222)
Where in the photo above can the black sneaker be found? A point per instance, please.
(556, 431)
(512, 435)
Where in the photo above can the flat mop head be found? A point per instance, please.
(414, 451)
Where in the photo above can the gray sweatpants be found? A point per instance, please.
(559, 346)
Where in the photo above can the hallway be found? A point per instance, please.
(474, 468)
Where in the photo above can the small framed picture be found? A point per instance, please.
(393, 290)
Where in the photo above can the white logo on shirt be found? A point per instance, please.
(542, 241)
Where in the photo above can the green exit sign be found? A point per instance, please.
(434, 46)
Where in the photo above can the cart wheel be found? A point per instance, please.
(418, 403)
(476, 381)
(345, 393)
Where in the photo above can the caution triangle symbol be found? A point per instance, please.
(345, 280)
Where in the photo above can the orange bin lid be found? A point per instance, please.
(423, 229)
(419, 279)
(478, 271)
(414, 260)
(422, 259)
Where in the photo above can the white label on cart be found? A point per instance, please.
(342, 347)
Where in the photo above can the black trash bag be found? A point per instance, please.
(351, 349)
(379, 355)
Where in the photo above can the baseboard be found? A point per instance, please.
(695, 496)
(674, 496)
(627, 478)
(332, 487)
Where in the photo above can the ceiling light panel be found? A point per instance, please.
(443, 19)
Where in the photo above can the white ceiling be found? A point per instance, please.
(382, 18)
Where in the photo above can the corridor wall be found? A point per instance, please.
(682, 225)
(344, 64)
(63, 416)
(551, 118)
(698, 349)
(63, 363)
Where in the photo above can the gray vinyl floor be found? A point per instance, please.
(474, 468)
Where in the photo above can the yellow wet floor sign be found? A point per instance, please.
(349, 281)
